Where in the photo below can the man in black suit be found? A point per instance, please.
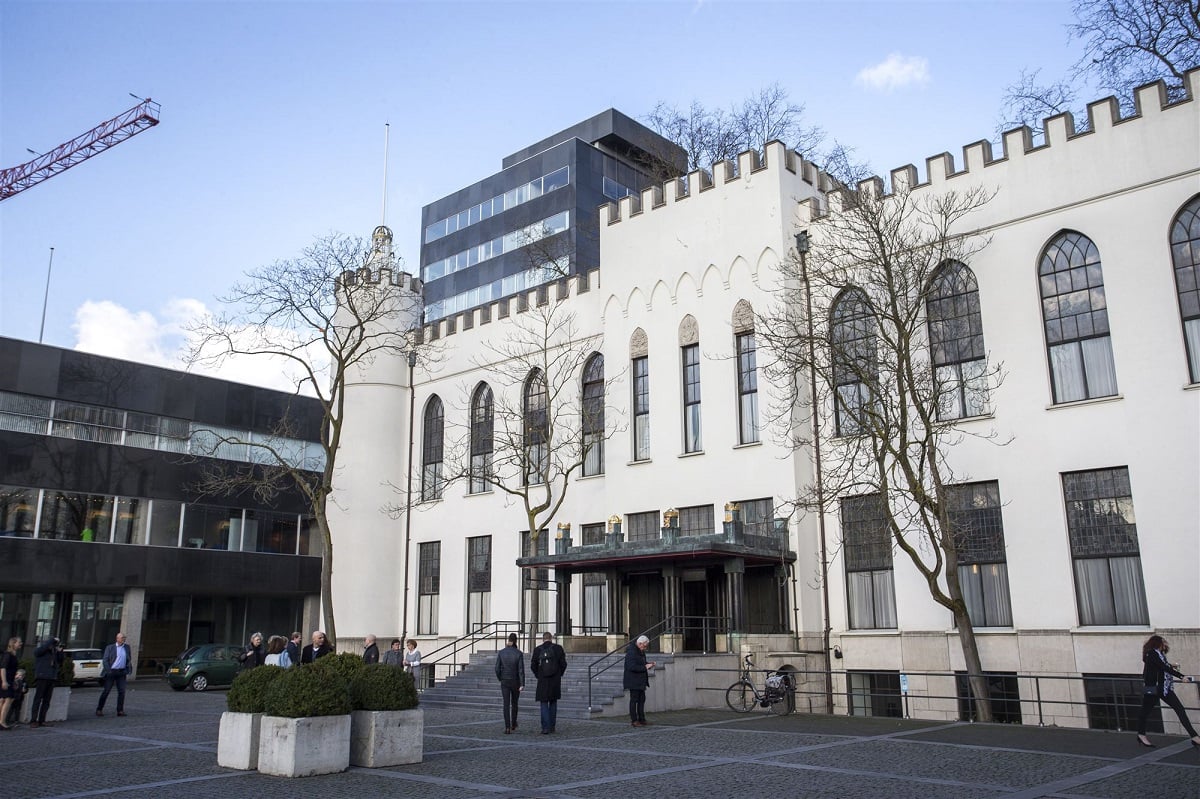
(319, 648)
(294, 648)
(117, 665)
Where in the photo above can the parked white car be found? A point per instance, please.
(88, 664)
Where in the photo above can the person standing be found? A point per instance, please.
(412, 662)
(394, 656)
(277, 652)
(510, 671)
(637, 679)
(255, 653)
(115, 667)
(47, 659)
(371, 651)
(294, 648)
(1158, 677)
(548, 663)
(8, 679)
(19, 689)
(319, 648)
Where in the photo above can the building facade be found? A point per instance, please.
(1086, 294)
(103, 524)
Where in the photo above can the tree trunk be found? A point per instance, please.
(327, 579)
(979, 684)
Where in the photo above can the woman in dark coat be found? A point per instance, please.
(255, 653)
(1158, 676)
(637, 679)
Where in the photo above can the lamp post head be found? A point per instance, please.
(802, 243)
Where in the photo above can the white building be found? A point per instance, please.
(1100, 402)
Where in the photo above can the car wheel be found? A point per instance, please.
(199, 682)
(178, 687)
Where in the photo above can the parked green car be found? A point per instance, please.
(201, 667)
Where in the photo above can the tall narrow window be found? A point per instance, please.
(1075, 313)
(482, 425)
(956, 342)
(1185, 254)
(982, 567)
(595, 603)
(433, 433)
(747, 378)
(852, 340)
(536, 582)
(479, 582)
(537, 429)
(429, 585)
(593, 415)
(1104, 546)
(641, 409)
(692, 440)
(867, 548)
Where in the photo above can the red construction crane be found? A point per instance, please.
(116, 130)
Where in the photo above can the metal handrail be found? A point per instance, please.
(495, 630)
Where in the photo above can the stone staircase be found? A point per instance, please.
(475, 687)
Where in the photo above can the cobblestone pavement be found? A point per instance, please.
(166, 746)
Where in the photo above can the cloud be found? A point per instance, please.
(162, 338)
(894, 72)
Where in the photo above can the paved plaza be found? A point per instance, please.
(166, 746)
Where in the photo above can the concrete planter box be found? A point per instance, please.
(237, 740)
(304, 747)
(60, 703)
(381, 738)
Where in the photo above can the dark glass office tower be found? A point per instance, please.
(536, 220)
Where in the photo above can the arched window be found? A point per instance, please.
(747, 372)
(689, 353)
(482, 422)
(593, 415)
(433, 431)
(956, 342)
(853, 345)
(639, 349)
(535, 414)
(1076, 317)
(1185, 254)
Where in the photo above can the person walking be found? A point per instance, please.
(548, 663)
(371, 650)
(319, 648)
(637, 679)
(294, 649)
(255, 653)
(116, 665)
(394, 656)
(412, 662)
(1158, 677)
(510, 671)
(8, 679)
(277, 654)
(47, 659)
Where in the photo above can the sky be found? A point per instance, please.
(273, 121)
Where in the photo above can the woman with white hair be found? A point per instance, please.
(637, 679)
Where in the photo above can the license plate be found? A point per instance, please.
(90, 664)
(174, 671)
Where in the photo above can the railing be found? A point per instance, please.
(450, 654)
(672, 625)
(1109, 702)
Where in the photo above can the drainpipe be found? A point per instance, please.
(802, 247)
(412, 408)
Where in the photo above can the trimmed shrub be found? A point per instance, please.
(248, 694)
(383, 687)
(344, 664)
(66, 672)
(304, 691)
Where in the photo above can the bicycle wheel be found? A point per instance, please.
(740, 697)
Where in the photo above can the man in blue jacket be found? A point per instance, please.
(117, 665)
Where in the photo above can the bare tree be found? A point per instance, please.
(709, 135)
(320, 317)
(859, 383)
(1126, 44)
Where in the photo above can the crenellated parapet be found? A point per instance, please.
(382, 276)
(724, 175)
(558, 290)
(1151, 105)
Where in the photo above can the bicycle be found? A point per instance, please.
(743, 696)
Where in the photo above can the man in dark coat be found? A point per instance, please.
(371, 650)
(116, 665)
(48, 657)
(637, 679)
(548, 664)
(319, 648)
(510, 671)
(294, 649)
